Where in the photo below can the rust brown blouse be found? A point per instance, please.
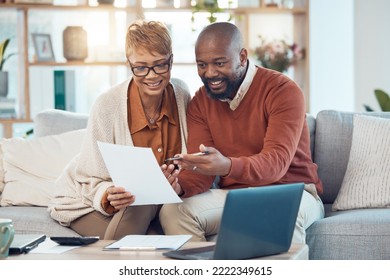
(163, 137)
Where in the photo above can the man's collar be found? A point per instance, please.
(243, 89)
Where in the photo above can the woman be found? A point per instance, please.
(147, 110)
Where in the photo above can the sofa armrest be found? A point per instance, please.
(54, 121)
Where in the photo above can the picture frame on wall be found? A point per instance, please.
(43, 47)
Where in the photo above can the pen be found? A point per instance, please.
(29, 248)
(195, 154)
(137, 248)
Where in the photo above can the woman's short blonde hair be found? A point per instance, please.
(152, 36)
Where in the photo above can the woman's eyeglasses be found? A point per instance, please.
(143, 71)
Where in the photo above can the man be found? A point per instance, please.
(251, 123)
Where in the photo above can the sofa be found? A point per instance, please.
(360, 231)
(26, 205)
(353, 232)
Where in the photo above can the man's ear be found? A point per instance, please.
(243, 56)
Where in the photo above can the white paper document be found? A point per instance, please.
(149, 242)
(50, 247)
(137, 170)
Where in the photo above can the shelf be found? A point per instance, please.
(16, 120)
(8, 125)
(92, 63)
(271, 10)
(103, 8)
(242, 10)
(80, 63)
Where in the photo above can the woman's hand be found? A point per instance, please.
(172, 176)
(119, 198)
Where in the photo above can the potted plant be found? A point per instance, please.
(210, 6)
(277, 54)
(4, 74)
(383, 99)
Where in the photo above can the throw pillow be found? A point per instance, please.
(366, 183)
(31, 166)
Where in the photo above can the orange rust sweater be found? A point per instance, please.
(266, 137)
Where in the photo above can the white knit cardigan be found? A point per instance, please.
(81, 186)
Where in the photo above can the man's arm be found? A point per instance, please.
(193, 182)
(286, 118)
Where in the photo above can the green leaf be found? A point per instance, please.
(3, 47)
(368, 108)
(383, 99)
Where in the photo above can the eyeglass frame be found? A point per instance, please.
(167, 62)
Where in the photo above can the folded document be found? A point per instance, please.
(149, 242)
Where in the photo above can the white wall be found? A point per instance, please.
(331, 55)
(350, 53)
(372, 51)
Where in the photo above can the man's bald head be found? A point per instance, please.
(222, 32)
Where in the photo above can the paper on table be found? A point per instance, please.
(137, 170)
(50, 247)
(138, 242)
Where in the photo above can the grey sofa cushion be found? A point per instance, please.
(53, 121)
(333, 138)
(331, 152)
(30, 219)
(353, 234)
(311, 123)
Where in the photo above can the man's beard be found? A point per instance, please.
(231, 87)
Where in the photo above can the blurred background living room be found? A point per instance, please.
(63, 53)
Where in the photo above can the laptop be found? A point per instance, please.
(255, 222)
(24, 243)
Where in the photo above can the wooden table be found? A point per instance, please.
(94, 252)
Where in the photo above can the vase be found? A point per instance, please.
(3, 84)
(273, 3)
(110, 2)
(75, 43)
